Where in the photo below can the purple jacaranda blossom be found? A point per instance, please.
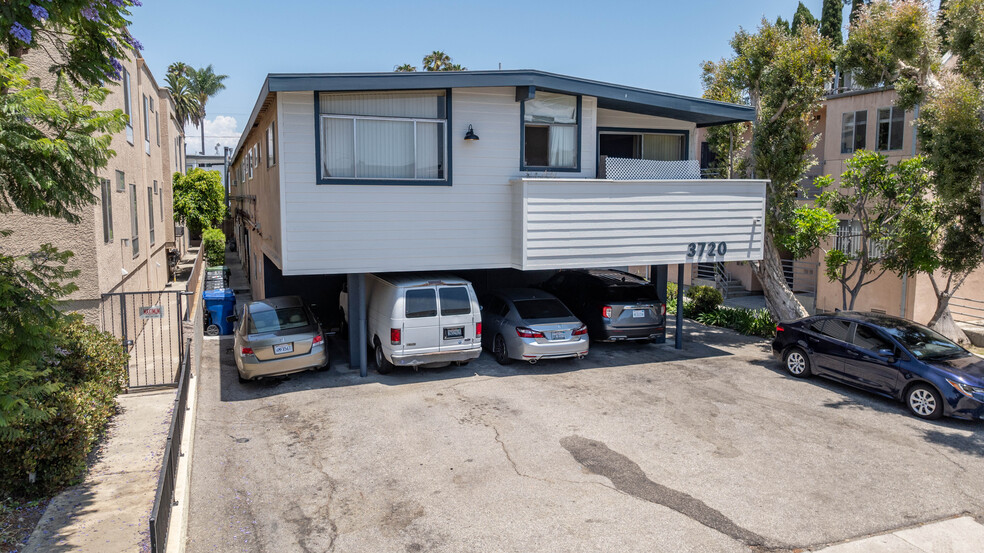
(39, 13)
(137, 3)
(21, 32)
(117, 72)
(90, 13)
(134, 43)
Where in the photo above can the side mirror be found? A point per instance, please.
(886, 354)
(232, 318)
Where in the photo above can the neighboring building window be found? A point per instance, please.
(249, 163)
(271, 144)
(146, 123)
(848, 240)
(107, 209)
(256, 155)
(157, 128)
(127, 107)
(891, 124)
(134, 223)
(551, 124)
(854, 129)
(120, 181)
(384, 136)
(150, 213)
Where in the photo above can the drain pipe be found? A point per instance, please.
(678, 338)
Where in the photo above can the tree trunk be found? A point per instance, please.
(203, 136)
(943, 322)
(781, 301)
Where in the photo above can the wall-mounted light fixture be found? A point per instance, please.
(470, 135)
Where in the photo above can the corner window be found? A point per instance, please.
(107, 209)
(385, 136)
(891, 124)
(853, 130)
(127, 107)
(551, 129)
(271, 144)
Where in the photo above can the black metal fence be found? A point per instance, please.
(164, 500)
(149, 326)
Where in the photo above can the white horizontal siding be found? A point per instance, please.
(571, 223)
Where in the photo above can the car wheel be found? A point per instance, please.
(241, 379)
(797, 363)
(460, 363)
(212, 330)
(500, 351)
(924, 402)
(382, 365)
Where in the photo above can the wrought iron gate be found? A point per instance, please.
(148, 325)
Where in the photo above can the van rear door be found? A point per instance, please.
(422, 326)
(457, 319)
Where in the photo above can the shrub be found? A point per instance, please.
(214, 242)
(751, 322)
(91, 368)
(671, 298)
(703, 300)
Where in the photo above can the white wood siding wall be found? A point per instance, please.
(593, 223)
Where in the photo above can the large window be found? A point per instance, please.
(107, 209)
(891, 124)
(127, 107)
(662, 146)
(150, 213)
(399, 136)
(134, 223)
(853, 131)
(551, 125)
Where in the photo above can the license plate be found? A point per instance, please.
(558, 335)
(638, 313)
(451, 333)
(283, 348)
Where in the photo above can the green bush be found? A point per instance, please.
(703, 300)
(751, 322)
(90, 368)
(671, 298)
(214, 242)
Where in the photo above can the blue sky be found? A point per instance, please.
(656, 44)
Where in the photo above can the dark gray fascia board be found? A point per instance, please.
(264, 92)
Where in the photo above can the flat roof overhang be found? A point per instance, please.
(702, 112)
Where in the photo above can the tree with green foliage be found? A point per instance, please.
(944, 24)
(832, 20)
(199, 199)
(204, 84)
(439, 61)
(876, 197)
(728, 143)
(782, 75)
(405, 68)
(856, 6)
(895, 43)
(803, 16)
(84, 40)
(186, 106)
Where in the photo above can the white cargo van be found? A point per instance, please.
(420, 320)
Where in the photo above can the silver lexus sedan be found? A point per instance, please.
(277, 336)
(528, 324)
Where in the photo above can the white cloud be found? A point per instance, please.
(222, 130)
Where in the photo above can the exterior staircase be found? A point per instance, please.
(714, 274)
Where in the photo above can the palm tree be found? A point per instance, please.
(454, 67)
(204, 84)
(436, 61)
(185, 103)
(405, 68)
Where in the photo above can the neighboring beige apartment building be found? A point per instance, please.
(121, 243)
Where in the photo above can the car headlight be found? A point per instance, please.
(966, 389)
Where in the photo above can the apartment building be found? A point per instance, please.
(121, 242)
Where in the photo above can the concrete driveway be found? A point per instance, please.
(636, 448)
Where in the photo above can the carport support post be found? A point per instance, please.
(357, 323)
(678, 336)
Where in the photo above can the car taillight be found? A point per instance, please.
(478, 330)
(317, 340)
(395, 336)
(247, 351)
(582, 330)
(606, 312)
(662, 309)
(524, 332)
(779, 328)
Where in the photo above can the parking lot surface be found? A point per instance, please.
(636, 448)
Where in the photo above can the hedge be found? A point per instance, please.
(214, 242)
(91, 368)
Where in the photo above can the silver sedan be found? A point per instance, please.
(528, 324)
(277, 336)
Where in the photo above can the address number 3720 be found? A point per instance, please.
(710, 249)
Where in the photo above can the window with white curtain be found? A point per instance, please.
(550, 131)
(383, 135)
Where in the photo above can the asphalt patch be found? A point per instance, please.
(628, 477)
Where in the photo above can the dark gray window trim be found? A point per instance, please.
(684, 132)
(878, 123)
(854, 131)
(522, 140)
(381, 182)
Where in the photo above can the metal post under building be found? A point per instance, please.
(357, 322)
(678, 337)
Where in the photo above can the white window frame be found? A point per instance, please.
(271, 144)
(128, 106)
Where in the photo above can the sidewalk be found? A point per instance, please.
(955, 535)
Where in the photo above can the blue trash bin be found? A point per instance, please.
(220, 304)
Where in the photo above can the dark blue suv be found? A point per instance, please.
(889, 356)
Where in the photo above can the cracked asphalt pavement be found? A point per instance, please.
(636, 448)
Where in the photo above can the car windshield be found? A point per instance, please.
(541, 309)
(272, 320)
(921, 341)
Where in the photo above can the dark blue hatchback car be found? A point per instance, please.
(889, 356)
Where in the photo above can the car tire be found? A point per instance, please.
(924, 401)
(241, 379)
(382, 365)
(797, 363)
(500, 350)
(460, 363)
